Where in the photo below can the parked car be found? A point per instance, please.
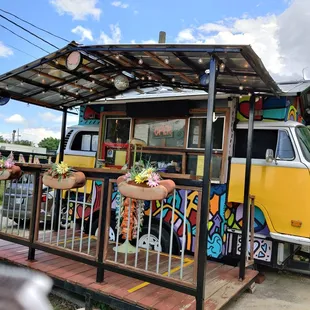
(18, 199)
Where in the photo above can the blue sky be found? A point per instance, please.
(209, 21)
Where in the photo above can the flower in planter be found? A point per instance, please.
(60, 171)
(141, 173)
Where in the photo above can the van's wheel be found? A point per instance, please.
(63, 219)
(95, 229)
(152, 241)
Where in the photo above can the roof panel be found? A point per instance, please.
(48, 82)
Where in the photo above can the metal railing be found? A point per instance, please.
(84, 226)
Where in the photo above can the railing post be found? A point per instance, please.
(101, 235)
(247, 180)
(37, 189)
(204, 211)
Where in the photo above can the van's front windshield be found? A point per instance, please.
(303, 136)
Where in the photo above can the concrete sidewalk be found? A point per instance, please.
(279, 291)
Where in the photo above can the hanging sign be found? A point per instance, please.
(73, 60)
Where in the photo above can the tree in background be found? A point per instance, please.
(50, 143)
(24, 142)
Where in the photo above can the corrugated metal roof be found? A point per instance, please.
(50, 83)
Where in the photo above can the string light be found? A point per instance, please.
(222, 67)
(249, 94)
(93, 81)
(142, 78)
(149, 77)
(140, 61)
(91, 90)
(240, 87)
(112, 80)
(200, 60)
(21, 83)
(117, 56)
(43, 81)
(6, 87)
(173, 80)
(77, 93)
(39, 74)
(167, 61)
(43, 92)
(240, 96)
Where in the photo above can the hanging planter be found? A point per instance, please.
(8, 170)
(144, 183)
(60, 176)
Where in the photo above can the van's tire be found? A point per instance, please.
(95, 228)
(154, 239)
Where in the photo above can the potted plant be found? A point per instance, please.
(144, 183)
(60, 176)
(8, 170)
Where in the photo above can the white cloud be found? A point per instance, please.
(51, 117)
(15, 119)
(149, 42)
(115, 37)
(83, 32)
(78, 9)
(5, 51)
(37, 134)
(278, 40)
(120, 4)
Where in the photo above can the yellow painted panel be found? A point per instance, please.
(282, 193)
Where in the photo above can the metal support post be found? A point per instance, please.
(247, 181)
(60, 159)
(205, 201)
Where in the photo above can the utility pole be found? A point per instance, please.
(162, 37)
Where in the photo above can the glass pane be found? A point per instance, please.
(285, 149)
(169, 163)
(161, 133)
(303, 135)
(194, 165)
(197, 133)
(117, 130)
(94, 143)
(86, 142)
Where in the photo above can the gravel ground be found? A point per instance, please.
(59, 303)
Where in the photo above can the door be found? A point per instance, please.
(280, 186)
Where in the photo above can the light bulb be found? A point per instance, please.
(200, 60)
(43, 81)
(222, 67)
(6, 87)
(149, 77)
(43, 92)
(249, 94)
(21, 83)
(117, 56)
(240, 87)
(173, 80)
(56, 61)
(39, 74)
(240, 96)
(140, 61)
(142, 78)
(112, 80)
(77, 93)
(93, 81)
(91, 90)
(167, 61)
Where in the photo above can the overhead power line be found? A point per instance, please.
(19, 50)
(25, 21)
(23, 28)
(25, 39)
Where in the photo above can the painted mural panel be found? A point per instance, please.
(271, 109)
(90, 115)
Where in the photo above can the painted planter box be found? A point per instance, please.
(10, 174)
(143, 191)
(75, 180)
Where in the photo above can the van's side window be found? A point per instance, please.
(85, 141)
(262, 140)
(285, 149)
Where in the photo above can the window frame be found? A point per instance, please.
(277, 146)
(223, 135)
(84, 132)
(118, 118)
